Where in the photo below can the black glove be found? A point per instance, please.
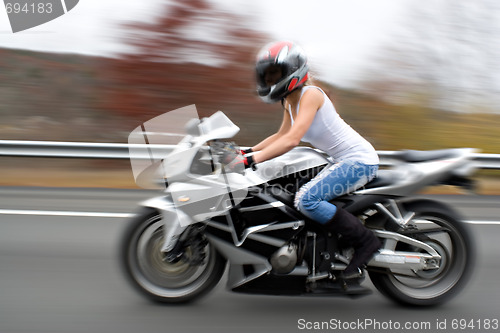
(246, 151)
(235, 162)
(231, 156)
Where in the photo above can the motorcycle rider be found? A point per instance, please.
(309, 116)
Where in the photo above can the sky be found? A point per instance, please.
(339, 36)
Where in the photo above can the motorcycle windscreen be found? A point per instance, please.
(153, 140)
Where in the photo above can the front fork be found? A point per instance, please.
(175, 221)
(172, 229)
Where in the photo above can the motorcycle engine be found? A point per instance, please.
(284, 260)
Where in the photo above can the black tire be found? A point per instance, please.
(160, 281)
(433, 287)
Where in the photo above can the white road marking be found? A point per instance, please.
(127, 215)
(62, 213)
(483, 222)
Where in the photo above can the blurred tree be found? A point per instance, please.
(445, 56)
(194, 53)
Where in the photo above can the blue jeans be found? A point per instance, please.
(333, 181)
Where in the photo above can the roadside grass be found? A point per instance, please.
(123, 178)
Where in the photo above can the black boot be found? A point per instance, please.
(364, 242)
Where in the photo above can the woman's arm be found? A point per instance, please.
(310, 103)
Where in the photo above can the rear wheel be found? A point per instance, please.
(439, 227)
(196, 273)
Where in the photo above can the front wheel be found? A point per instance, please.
(440, 227)
(159, 280)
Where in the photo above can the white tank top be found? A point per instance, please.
(330, 133)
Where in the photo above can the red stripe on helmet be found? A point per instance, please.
(304, 79)
(275, 49)
(293, 83)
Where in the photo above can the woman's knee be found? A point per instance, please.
(306, 202)
(316, 209)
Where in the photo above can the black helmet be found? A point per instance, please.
(294, 70)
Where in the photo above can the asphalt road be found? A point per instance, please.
(59, 273)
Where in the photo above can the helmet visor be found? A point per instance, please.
(269, 74)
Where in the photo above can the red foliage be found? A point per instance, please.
(194, 54)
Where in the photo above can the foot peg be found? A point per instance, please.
(356, 274)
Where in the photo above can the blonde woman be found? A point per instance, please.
(309, 115)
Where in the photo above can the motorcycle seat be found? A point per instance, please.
(414, 156)
(384, 178)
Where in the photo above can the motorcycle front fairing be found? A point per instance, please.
(191, 197)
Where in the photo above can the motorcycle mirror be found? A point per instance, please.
(192, 127)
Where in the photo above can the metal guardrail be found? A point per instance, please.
(16, 148)
(55, 149)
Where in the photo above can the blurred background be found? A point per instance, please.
(406, 76)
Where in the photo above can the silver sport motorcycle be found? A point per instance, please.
(175, 248)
